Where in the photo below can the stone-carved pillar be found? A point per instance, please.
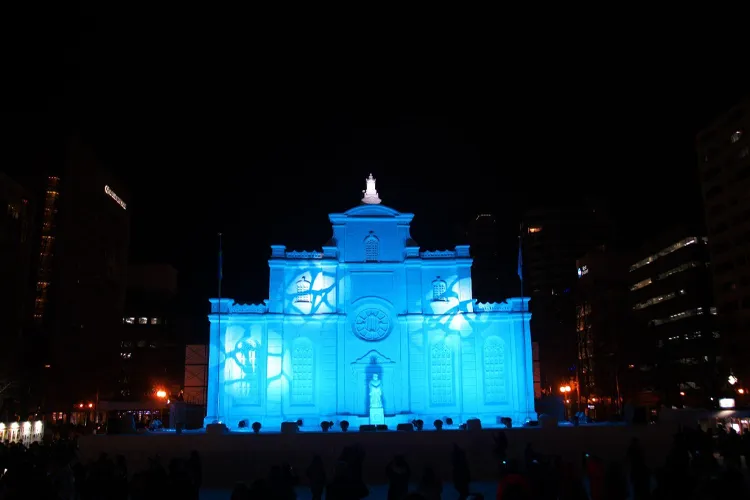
(215, 397)
(277, 286)
(274, 366)
(524, 325)
(418, 373)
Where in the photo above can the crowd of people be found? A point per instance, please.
(700, 465)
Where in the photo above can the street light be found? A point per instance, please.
(161, 394)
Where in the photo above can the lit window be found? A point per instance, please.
(736, 136)
(129, 321)
(142, 321)
(438, 290)
(303, 291)
(640, 284)
(658, 299)
(681, 315)
(126, 355)
(155, 321)
(372, 249)
(671, 248)
(535, 229)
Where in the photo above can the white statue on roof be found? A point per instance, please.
(371, 195)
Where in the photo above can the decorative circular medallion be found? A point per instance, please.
(372, 324)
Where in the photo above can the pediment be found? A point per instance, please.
(373, 357)
(371, 211)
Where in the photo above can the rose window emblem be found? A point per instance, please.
(372, 324)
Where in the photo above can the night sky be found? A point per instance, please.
(261, 143)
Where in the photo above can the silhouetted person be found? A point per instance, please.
(513, 484)
(398, 473)
(261, 489)
(316, 475)
(342, 487)
(280, 485)
(615, 484)
(240, 492)
(571, 487)
(461, 473)
(354, 457)
(430, 486)
(501, 445)
(195, 469)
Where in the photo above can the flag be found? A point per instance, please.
(221, 266)
(520, 260)
(520, 256)
(221, 261)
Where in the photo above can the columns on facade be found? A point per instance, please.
(218, 319)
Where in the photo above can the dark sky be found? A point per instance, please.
(262, 138)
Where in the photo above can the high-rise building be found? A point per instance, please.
(552, 240)
(83, 238)
(483, 238)
(674, 343)
(603, 323)
(151, 351)
(16, 226)
(724, 163)
(47, 244)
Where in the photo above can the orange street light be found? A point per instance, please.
(161, 394)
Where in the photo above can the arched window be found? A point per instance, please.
(494, 371)
(303, 372)
(438, 290)
(372, 249)
(303, 291)
(441, 375)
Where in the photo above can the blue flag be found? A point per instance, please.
(221, 266)
(520, 260)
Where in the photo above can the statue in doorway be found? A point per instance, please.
(376, 392)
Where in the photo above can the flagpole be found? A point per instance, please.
(524, 305)
(218, 340)
(520, 258)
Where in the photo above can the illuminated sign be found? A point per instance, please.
(726, 403)
(112, 195)
(583, 270)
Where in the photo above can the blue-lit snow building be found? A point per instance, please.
(369, 303)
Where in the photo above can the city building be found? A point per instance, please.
(151, 350)
(371, 330)
(552, 239)
(15, 287)
(604, 324)
(674, 346)
(83, 237)
(724, 163)
(484, 243)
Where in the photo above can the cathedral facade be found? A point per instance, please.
(371, 330)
